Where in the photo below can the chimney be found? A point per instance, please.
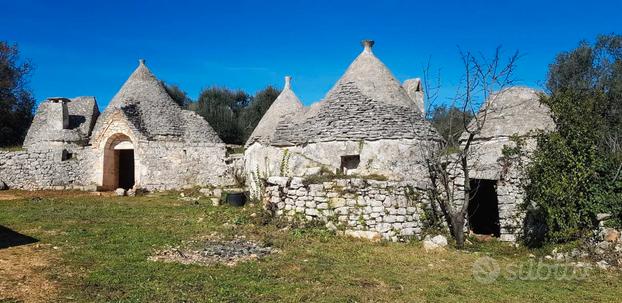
(367, 45)
(414, 89)
(57, 113)
(288, 83)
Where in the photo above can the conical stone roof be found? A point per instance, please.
(287, 103)
(145, 102)
(374, 79)
(512, 111)
(366, 103)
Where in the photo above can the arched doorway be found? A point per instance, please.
(119, 168)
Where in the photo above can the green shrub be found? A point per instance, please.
(576, 169)
(571, 178)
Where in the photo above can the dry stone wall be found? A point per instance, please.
(486, 162)
(160, 166)
(510, 199)
(174, 165)
(365, 208)
(46, 169)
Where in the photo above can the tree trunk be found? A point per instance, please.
(457, 229)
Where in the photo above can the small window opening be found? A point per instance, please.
(349, 163)
(66, 155)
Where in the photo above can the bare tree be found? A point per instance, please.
(450, 170)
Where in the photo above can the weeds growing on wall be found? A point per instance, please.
(284, 167)
(512, 154)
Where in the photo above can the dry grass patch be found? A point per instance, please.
(24, 274)
(8, 196)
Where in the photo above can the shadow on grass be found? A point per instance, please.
(10, 238)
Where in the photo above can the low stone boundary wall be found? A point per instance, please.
(363, 208)
(45, 169)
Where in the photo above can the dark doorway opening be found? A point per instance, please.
(484, 208)
(126, 168)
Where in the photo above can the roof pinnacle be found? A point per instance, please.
(367, 44)
(288, 82)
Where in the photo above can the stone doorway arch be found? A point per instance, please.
(119, 163)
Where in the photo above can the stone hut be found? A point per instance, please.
(166, 147)
(367, 124)
(496, 179)
(258, 147)
(143, 139)
(369, 136)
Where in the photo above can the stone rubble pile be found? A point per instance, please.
(603, 249)
(212, 252)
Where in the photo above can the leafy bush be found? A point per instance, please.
(575, 172)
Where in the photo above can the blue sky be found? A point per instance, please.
(91, 47)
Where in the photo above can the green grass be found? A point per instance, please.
(104, 242)
(11, 148)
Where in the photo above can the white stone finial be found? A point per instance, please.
(141, 61)
(367, 44)
(288, 82)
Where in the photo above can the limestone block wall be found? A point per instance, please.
(174, 165)
(486, 163)
(159, 166)
(388, 209)
(47, 169)
(510, 198)
(260, 162)
(397, 160)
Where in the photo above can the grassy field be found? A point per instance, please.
(96, 249)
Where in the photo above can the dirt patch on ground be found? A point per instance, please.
(8, 196)
(23, 274)
(212, 252)
(25, 194)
